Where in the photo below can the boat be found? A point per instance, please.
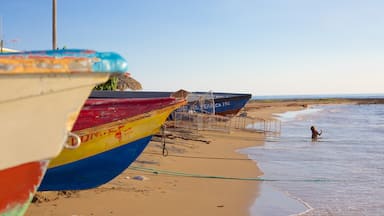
(219, 103)
(113, 131)
(42, 94)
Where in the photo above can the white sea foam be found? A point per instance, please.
(292, 115)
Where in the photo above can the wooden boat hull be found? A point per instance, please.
(93, 171)
(34, 131)
(101, 111)
(41, 115)
(225, 103)
(105, 152)
(231, 106)
(40, 101)
(42, 94)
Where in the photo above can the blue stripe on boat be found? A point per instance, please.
(93, 171)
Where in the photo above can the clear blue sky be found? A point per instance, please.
(265, 47)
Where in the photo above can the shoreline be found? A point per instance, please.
(207, 153)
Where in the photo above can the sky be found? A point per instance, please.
(263, 47)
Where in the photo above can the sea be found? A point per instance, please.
(339, 174)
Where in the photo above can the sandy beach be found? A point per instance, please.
(136, 192)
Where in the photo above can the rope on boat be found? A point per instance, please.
(174, 173)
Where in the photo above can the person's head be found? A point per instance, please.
(312, 128)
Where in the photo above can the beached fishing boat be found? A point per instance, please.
(218, 103)
(204, 102)
(42, 94)
(114, 132)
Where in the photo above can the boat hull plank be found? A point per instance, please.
(95, 170)
(101, 111)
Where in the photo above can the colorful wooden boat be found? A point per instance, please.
(113, 134)
(40, 101)
(224, 103)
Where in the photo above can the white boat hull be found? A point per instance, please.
(38, 111)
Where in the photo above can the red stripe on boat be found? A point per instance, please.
(17, 183)
(100, 111)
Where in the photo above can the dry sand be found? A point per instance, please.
(208, 153)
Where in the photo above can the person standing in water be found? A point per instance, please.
(315, 133)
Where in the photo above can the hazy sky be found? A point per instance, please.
(259, 46)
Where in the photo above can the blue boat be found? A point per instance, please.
(218, 103)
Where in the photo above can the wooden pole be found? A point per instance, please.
(54, 24)
(1, 34)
